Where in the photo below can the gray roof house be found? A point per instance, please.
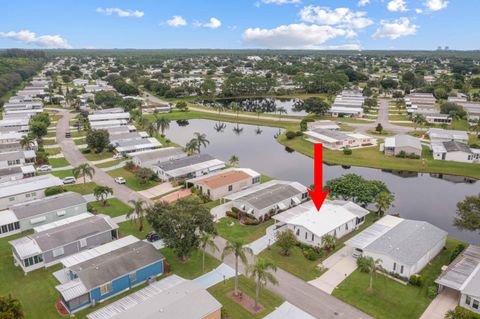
(406, 143)
(463, 277)
(455, 151)
(187, 167)
(172, 297)
(54, 241)
(25, 216)
(148, 158)
(404, 246)
(17, 158)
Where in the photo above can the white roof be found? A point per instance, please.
(210, 165)
(26, 247)
(374, 232)
(21, 186)
(346, 110)
(257, 188)
(321, 222)
(7, 217)
(142, 143)
(111, 123)
(109, 116)
(28, 169)
(438, 148)
(98, 251)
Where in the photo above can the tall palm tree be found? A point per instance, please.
(138, 212)
(26, 142)
(101, 194)
(372, 266)
(237, 248)
(329, 242)
(234, 160)
(476, 126)
(206, 241)
(151, 128)
(201, 139)
(84, 170)
(260, 272)
(191, 146)
(235, 108)
(281, 110)
(162, 124)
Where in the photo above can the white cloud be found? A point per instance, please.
(213, 23)
(177, 21)
(120, 12)
(436, 5)
(292, 36)
(348, 46)
(395, 29)
(29, 37)
(363, 3)
(397, 5)
(342, 17)
(280, 2)
(419, 11)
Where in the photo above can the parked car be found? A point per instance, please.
(357, 253)
(118, 156)
(69, 180)
(153, 236)
(44, 168)
(120, 180)
(68, 134)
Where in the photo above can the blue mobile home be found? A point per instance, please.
(108, 270)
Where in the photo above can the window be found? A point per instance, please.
(346, 226)
(394, 266)
(61, 213)
(401, 269)
(306, 234)
(256, 180)
(83, 242)
(12, 198)
(313, 237)
(133, 277)
(468, 300)
(4, 229)
(58, 252)
(475, 304)
(298, 232)
(105, 289)
(230, 188)
(304, 195)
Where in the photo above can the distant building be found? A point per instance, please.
(347, 104)
(322, 125)
(402, 143)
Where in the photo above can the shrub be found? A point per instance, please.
(401, 154)
(311, 254)
(129, 166)
(86, 151)
(54, 190)
(416, 280)
(90, 208)
(236, 210)
(461, 313)
(456, 251)
(304, 124)
(432, 291)
(347, 151)
(231, 214)
(250, 221)
(290, 135)
(299, 133)
(363, 264)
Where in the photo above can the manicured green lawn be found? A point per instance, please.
(49, 142)
(98, 156)
(372, 157)
(60, 174)
(234, 310)
(75, 133)
(110, 163)
(36, 291)
(408, 301)
(58, 162)
(265, 178)
(131, 228)
(298, 265)
(80, 141)
(81, 188)
(114, 207)
(130, 179)
(240, 232)
(211, 204)
(52, 151)
(193, 267)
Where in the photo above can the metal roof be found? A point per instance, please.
(7, 217)
(373, 232)
(403, 140)
(159, 155)
(459, 271)
(184, 162)
(109, 116)
(72, 289)
(472, 286)
(172, 297)
(269, 196)
(30, 184)
(47, 204)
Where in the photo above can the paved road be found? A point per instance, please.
(75, 158)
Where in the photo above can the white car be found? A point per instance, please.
(69, 180)
(120, 180)
(44, 168)
(118, 156)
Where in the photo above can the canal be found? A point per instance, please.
(417, 196)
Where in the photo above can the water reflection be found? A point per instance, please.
(424, 196)
(182, 122)
(258, 105)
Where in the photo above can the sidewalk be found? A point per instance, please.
(263, 242)
(222, 272)
(158, 190)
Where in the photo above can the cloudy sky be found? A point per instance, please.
(271, 24)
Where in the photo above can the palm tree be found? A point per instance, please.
(219, 127)
(101, 194)
(476, 126)
(84, 170)
(372, 265)
(143, 122)
(384, 201)
(26, 142)
(138, 212)
(151, 128)
(236, 108)
(234, 160)
(191, 146)
(162, 124)
(329, 242)
(260, 272)
(418, 119)
(236, 248)
(281, 110)
(201, 139)
(206, 241)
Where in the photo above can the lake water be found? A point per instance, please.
(266, 105)
(417, 196)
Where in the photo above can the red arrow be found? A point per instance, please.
(318, 195)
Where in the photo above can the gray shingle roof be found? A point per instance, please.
(454, 146)
(183, 162)
(47, 204)
(408, 241)
(103, 269)
(270, 196)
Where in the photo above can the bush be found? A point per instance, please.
(432, 291)
(129, 166)
(347, 151)
(290, 135)
(90, 208)
(416, 280)
(311, 254)
(299, 133)
(304, 124)
(86, 151)
(461, 313)
(456, 251)
(54, 190)
(250, 221)
(236, 210)
(231, 214)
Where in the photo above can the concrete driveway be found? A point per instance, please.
(340, 265)
(158, 190)
(443, 302)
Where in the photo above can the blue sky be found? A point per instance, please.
(230, 24)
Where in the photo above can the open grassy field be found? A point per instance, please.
(407, 300)
(372, 157)
(240, 232)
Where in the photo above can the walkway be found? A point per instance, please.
(340, 265)
(263, 242)
(219, 274)
(443, 302)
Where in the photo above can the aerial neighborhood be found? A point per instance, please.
(303, 181)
